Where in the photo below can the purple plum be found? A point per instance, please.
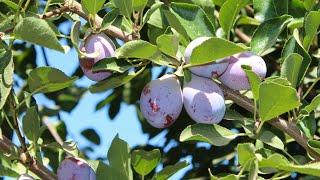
(235, 78)
(97, 47)
(203, 100)
(25, 177)
(210, 70)
(161, 101)
(75, 168)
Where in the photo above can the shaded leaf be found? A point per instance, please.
(267, 33)
(291, 67)
(168, 171)
(91, 135)
(188, 15)
(112, 64)
(31, 124)
(125, 7)
(114, 81)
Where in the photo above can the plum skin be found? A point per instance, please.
(235, 78)
(161, 101)
(210, 70)
(101, 46)
(204, 100)
(75, 168)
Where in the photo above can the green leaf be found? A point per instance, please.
(7, 23)
(168, 44)
(137, 49)
(193, 19)
(254, 80)
(6, 77)
(125, 7)
(168, 171)
(37, 31)
(218, 48)
(273, 104)
(99, 168)
(114, 82)
(112, 64)
(228, 177)
(47, 79)
(139, 5)
(271, 139)
(228, 13)
(71, 148)
(246, 20)
(291, 67)
(31, 124)
(313, 105)
(144, 162)
(213, 134)
(253, 168)
(119, 160)
(311, 25)
(109, 18)
(315, 145)
(91, 135)
(280, 162)
(268, 9)
(267, 33)
(308, 125)
(92, 6)
(245, 152)
(292, 46)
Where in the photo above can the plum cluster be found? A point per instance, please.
(162, 99)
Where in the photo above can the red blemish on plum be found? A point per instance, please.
(168, 120)
(87, 63)
(214, 74)
(154, 106)
(146, 90)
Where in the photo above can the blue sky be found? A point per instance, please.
(84, 116)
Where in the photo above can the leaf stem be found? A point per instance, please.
(47, 6)
(26, 6)
(310, 88)
(289, 155)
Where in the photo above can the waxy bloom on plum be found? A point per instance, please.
(161, 101)
(97, 47)
(203, 100)
(75, 169)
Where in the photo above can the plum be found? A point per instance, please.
(210, 70)
(235, 78)
(75, 168)
(98, 46)
(161, 101)
(203, 100)
(25, 177)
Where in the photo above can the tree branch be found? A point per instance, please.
(113, 31)
(288, 127)
(37, 168)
